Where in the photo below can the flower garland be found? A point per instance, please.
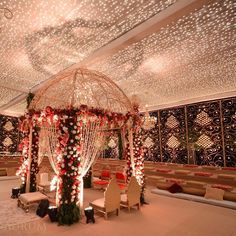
(68, 163)
(138, 156)
(24, 148)
(24, 167)
(69, 123)
(34, 169)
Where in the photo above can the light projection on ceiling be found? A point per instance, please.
(191, 56)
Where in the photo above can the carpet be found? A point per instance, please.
(11, 215)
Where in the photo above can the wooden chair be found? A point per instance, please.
(111, 200)
(132, 197)
(44, 183)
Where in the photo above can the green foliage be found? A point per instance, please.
(68, 214)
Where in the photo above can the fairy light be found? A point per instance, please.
(195, 53)
(43, 38)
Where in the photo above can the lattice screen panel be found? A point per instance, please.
(152, 142)
(205, 134)
(173, 135)
(9, 134)
(229, 129)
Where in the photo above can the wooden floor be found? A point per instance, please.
(163, 216)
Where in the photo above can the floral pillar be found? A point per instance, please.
(134, 152)
(24, 147)
(68, 161)
(34, 169)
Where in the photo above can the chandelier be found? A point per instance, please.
(148, 121)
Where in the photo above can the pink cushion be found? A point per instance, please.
(121, 186)
(101, 182)
(205, 174)
(191, 166)
(105, 174)
(120, 176)
(163, 170)
(173, 180)
(223, 187)
(229, 168)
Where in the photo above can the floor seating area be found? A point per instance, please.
(193, 178)
(9, 165)
(191, 197)
(106, 169)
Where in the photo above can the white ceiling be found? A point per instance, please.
(168, 52)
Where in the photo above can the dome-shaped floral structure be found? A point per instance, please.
(81, 87)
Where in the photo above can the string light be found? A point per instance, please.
(43, 38)
(195, 53)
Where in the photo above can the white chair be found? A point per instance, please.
(44, 183)
(111, 200)
(132, 197)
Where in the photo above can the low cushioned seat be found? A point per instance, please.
(163, 170)
(104, 180)
(223, 187)
(214, 193)
(228, 204)
(155, 177)
(229, 168)
(204, 174)
(210, 167)
(173, 180)
(26, 199)
(195, 183)
(226, 176)
(191, 166)
(182, 172)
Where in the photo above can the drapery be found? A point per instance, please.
(47, 145)
(92, 139)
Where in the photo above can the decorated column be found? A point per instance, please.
(68, 161)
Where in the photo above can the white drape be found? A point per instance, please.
(47, 145)
(92, 139)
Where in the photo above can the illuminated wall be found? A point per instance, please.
(201, 133)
